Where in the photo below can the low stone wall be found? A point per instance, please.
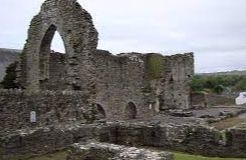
(105, 151)
(48, 139)
(50, 108)
(193, 139)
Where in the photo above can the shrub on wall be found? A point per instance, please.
(155, 66)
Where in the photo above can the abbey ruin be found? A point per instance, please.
(86, 94)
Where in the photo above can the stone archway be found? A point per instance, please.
(52, 65)
(80, 38)
(131, 111)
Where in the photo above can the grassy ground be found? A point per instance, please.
(228, 123)
(61, 155)
(178, 156)
(55, 156)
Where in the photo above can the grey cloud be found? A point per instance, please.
(214, 30)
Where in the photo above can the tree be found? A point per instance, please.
(218, 89)
(9, 80)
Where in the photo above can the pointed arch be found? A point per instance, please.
(80, 38)
(44, 53)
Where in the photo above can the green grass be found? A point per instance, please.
(56, 156)
(228, 123)
(181, 156)
(61, 155)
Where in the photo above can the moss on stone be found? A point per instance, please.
(155, 66)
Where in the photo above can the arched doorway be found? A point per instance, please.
(101, 114)
(131, 111)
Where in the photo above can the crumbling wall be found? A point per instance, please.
(149, 82)
(121, 80)
(50, 107)
(75, 26)
(179, 73)
(152, 82)
(24, 143)
(105, 151)
(194, 139)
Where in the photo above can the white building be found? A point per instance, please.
(241, 99)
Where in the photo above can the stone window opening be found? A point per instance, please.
(131, 111)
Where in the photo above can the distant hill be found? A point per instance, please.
(7, 56)
(240, 73)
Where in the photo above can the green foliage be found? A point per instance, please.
(155, 66)
(197, 83)
(10, 77)
(219, 83)
(241, 85)
(218, 89)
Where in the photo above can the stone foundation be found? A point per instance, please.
(105, 151)
(51, 108)
(189, 138)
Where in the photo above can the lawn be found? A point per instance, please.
(178, 156)
(227, 123)
(181, 156)
(61, 155)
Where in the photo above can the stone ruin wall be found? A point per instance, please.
(134, 77)
(120, 80)
(52, 108)
(195, 139)
(87, 85)
(129, 85)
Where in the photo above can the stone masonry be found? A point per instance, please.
(124, 86)
(105, 151)
(99, 105)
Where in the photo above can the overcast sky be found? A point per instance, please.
(215, 30)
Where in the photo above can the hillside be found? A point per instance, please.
(236, 72)
(7, 56)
